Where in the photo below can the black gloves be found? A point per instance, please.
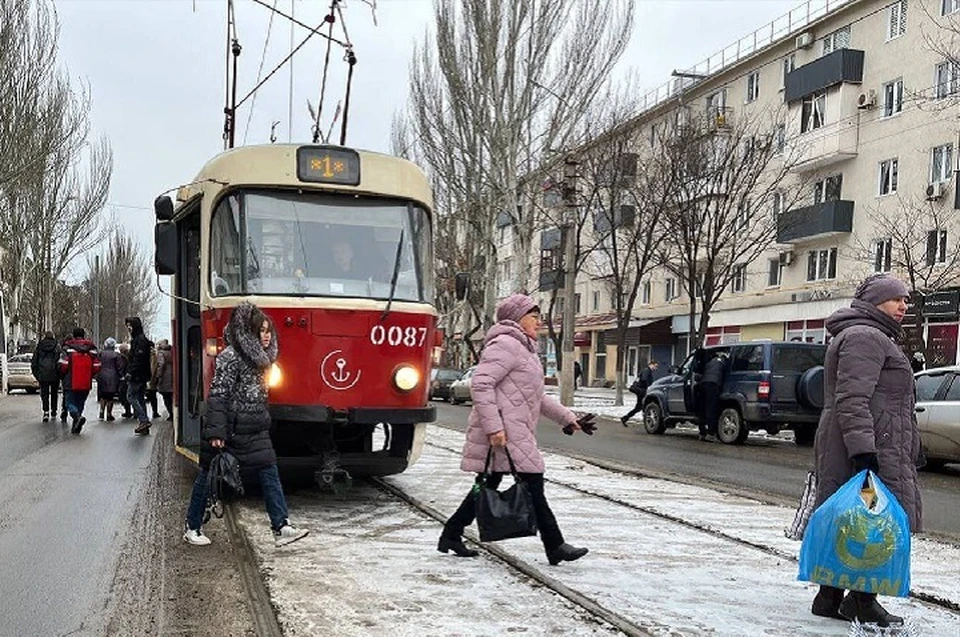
(587, 425)
(863, 461)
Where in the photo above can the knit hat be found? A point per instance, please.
(515, 307)
(110, 343)
(881, 288)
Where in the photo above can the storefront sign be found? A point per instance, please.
(581, 339)
(945, 303)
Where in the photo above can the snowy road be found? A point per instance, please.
(370, 566)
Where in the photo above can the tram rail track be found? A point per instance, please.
(932, 600)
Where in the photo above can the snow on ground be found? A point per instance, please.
(370, 566)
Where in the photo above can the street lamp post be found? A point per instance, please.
(570, 175)
(116, 309)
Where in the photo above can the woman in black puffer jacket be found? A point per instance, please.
(238, 420)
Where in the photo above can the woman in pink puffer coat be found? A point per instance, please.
(508, 400)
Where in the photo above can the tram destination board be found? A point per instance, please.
(326, 165)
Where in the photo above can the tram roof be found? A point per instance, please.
(270, 165)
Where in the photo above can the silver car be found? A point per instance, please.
(938, 414)
(460, 388)
(20, 376)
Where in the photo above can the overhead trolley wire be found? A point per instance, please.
(263, 57)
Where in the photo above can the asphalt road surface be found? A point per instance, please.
(769, 468)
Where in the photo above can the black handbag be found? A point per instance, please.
(223, 480)
(506, 514)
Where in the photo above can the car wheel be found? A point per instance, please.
(804, 435)
(731, 429)
(653, 419)
(453, 400)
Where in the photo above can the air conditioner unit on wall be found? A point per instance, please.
(786, 258)
(935, 191)
(804, 40)
(867, 100)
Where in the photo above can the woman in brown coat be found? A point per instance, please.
(868, 420)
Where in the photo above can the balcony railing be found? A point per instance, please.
(816, 221)
(823, 146)
(843, 65)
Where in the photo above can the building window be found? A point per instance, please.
(822, 264)
(812, 331)
(827, 189)
(813, 112)
(778, 203)
(949, 6)
(653, 134)
(897, 19)
(596, 301)
(839, 39)
(739, 282)
(669, 289)
(888, 177)
(892, 97)
(936, 247)
(774, 272)
(743, 214)
(600, 371)
(576, 303)
(753, 86)
(789, 63)
(779, 138)
(941, 164)
(645, 294)
(947, 79)
(882, 252)
(716, 102)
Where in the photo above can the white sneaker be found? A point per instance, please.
(196, 537)
(288, 534)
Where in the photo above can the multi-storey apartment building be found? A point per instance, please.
(864, 90)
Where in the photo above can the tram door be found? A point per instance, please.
(187, 315)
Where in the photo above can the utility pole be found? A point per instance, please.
(570, 193)
(96, 300)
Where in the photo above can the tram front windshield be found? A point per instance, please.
(303, 244)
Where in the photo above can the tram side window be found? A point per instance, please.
(225, 249)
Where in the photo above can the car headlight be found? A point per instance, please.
(274, 376)
(406, 378)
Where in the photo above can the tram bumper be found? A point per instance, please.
(354, 415)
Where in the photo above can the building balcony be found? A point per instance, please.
(815, 222)
(843, 65)
(823, 146)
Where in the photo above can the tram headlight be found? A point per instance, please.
(274, 376)
(406, 378)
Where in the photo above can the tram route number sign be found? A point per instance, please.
(396, 336)
(328, 165)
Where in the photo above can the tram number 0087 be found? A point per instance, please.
(395, 336)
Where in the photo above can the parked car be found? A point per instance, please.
(19, 374)
(938, 414)
(768, 385)
(460, 388)
(440, 380)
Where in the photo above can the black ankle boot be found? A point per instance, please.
(827, 602)
(457, 546)
(565, 553)
(865, 608)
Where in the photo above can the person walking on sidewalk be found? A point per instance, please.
(639, 387)
(150, 390)
(108, 380)
(508, 400)
(868, 420)
(123, 349)
(45, 370)
(163, 375)
(138, 372)
(238, 421)
(79, 363)
(711, 384)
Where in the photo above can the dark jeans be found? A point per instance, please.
(63, 392)
(272, 497)
(710, 396)
(636, 408)
(150, 396)
(135, 398)
(168, 402)
(48, 396)
(122, 397)
(75, 402)
(550, 533)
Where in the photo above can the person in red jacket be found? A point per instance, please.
(79, 363)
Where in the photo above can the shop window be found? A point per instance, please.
(600, 371)
(812, 331)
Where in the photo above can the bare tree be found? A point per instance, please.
(726, 177)
(508, 82)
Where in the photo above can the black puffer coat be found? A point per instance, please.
(237, 409)
(868, 407)
(138, 360)
(44, 361)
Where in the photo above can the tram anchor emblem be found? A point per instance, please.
(336, 373)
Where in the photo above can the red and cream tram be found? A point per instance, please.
(335, 246)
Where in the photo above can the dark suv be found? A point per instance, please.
(767, 385)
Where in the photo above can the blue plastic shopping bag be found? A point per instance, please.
(859, 539)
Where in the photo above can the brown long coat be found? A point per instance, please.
(868, 407)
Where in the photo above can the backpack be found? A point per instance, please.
(223, 477)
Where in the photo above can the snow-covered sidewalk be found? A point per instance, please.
(370, 565)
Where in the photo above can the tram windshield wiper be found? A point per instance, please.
(393, 279)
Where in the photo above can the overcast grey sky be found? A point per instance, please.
(156, 72)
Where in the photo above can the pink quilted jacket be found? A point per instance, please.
(507, 389)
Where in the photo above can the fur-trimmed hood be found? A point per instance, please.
(239, 334)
